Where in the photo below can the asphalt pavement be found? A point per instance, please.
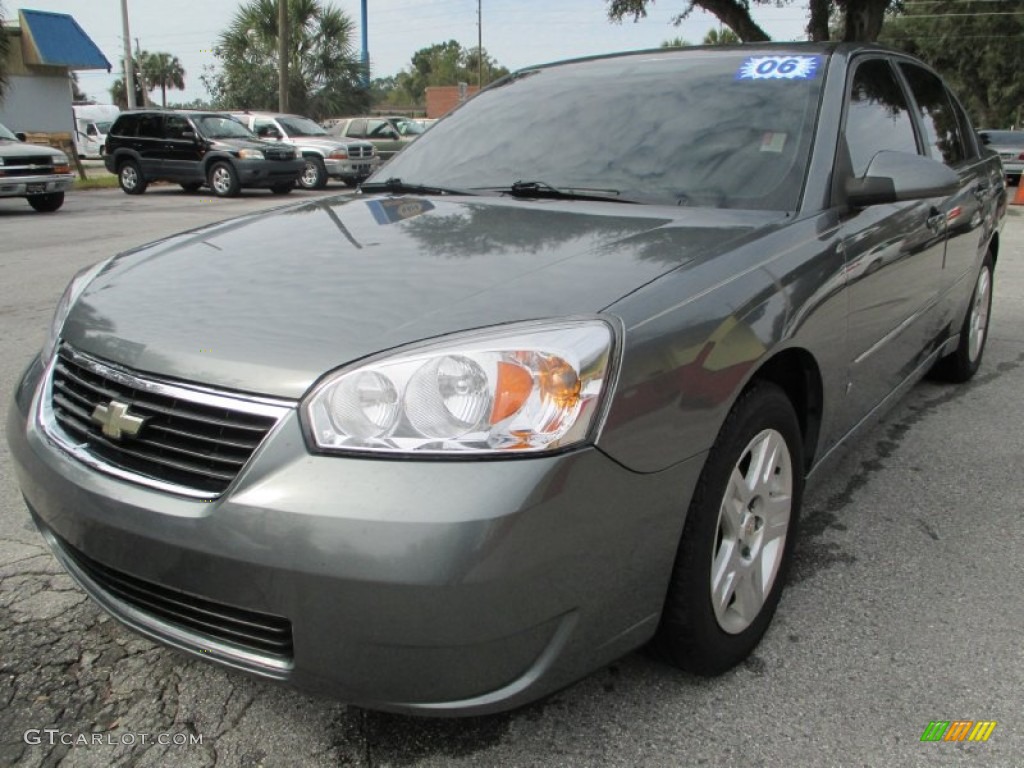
(905, 606)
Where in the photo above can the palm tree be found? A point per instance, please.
(162, 70)
(324, 69)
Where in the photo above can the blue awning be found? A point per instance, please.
(56, 40)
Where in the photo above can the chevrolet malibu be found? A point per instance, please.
(546, 390)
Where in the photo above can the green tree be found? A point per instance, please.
(861, 19)
(440, 64)
(723, 36)
(77, 94)
(5, 45)
(163, 71)
(675, 42)
(324, 70)
(976, 45)
(118, 92)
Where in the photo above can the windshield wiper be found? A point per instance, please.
(397, 185)
(543, 189)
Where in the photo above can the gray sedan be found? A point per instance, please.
(535, 397)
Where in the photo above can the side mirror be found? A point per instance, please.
(20, 136)
(895, 176)
(984, 138)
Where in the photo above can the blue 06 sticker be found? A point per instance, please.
(779, 68)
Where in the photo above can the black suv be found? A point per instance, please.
(193, 149)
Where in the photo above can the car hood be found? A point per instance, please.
(20, 149)
(236, 144)
(325, 143)
(270, 302)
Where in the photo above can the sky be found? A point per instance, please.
(516, 33)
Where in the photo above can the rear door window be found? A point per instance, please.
(938, 119)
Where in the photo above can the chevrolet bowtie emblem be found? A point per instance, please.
(116, 421)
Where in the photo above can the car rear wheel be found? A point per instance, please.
(964, 362)
(130, 177)
(223, 180)
(47, 203)
(314, 174)
(738, 537)
(282, 189)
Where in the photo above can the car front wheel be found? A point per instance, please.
(738, 537)
(314, 174)
(130, 177)
(223, 180)
(47, 203)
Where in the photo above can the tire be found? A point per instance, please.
(737, 541)
(191, 186)
(47, 203)
(282, 189)
(130, 177)
(961, 365)
(314, 174)
(223, 180)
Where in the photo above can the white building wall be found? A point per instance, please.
(38, 103)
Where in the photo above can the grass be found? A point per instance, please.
(108, 181)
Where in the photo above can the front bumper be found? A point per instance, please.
(431, 587)
(268, 173)
(23, 186)
(353, 169)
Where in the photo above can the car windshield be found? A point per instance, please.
(6, 134)
(221, 127)
(729, 129)
(1004, 138)
(300, 126)
(408, 127)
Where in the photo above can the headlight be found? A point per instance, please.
(61, 159)
(250, 154)
(67, 301)
(524, 388)
(339, 154)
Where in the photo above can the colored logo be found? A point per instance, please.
(958, 730)
(779, 68)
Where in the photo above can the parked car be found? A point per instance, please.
(388, 134)
(195, 149)
(349, 161)
(445, 446)
(39, 174)
(1009, 145)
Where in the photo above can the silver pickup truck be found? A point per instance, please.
(327, 157)
(39, 174)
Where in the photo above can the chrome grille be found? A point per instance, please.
(359, 151)
(261, 633)
(27, 166)
(279, 154)
(190, 440)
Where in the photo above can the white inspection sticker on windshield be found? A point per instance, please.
(779, 68)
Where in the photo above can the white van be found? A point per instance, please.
(92, 121)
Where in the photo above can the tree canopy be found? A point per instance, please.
(325, 73)
(439, 64)
(861, 19)
(162, 70)
(5, 45)
(976, 45)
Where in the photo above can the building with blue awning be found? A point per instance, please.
(45, 48)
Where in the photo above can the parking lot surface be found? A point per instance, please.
(905, 605)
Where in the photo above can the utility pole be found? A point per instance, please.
(282, 55)
(129, 68)
(366, 48)
(142, 82)
(479, 46)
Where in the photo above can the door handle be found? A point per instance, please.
(936, 219)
